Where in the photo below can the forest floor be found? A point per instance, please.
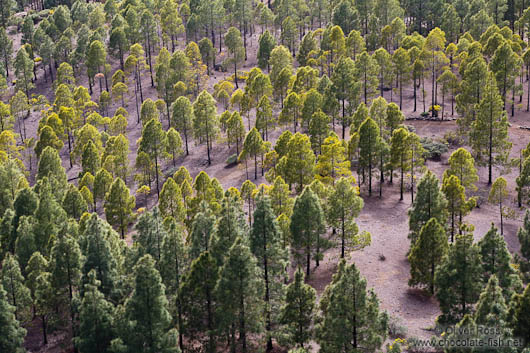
(384, 262)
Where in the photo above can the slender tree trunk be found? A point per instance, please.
(414, 84)
(44, 333)
(502, 224)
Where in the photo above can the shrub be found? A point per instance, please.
(396, 329)
(434, 149)
(453, 138)
(232, 159)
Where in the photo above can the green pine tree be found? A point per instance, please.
(95, 319)
(351, 318)
(12, 338)
(239, 292)
(174, 263)
(18, 295)
(430, 203)
(147, 311)
(297, 314)
(231, 224)
(65, 267)
(202, 229)
(523, 234)
(272, 257)
(149, 236)
(497, 261)
(307, 227)
(96, 248)
(344, 205)
(119, 205)
(459, 280)
(427, 253)
(198, 302)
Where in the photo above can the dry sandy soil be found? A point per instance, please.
(384, 262)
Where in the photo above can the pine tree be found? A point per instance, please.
(430, 203)
(150, 235)
(427, 253)
(102, 183)
(49, 216)
(474, 75)
(198, 301)
(231, 224)
(202, 229)
(240, 294)
(402, 146)
(523, 182)
(65, 267)
(312, 103)
(12, 338)
(44, 302)
(385, 69)
(235, 130)
(497, 261)
(332, 162)
(297, 166)
(523, 234)
(521, 319)
(73, 202)
(497, 195)
(25, 244)
(491, 306)
(489, 131)
(462, 164)
(98, 255)
(24, 71)
(264, 118)
(458, 279)
(318, 129)
(205, 122)
(505, 67)
(91, 159)
(153, 142)
(234, 44)
(37, 265)
(182, 118)
(174, 263)
(95, 319)
(272, 258)
(345, 87)
(291, 109)
(50, 166)
(119, 205)
(298, 311)
(252, 147)
(47, 138)
(402, 66)
(351, 318)
(307, 231)
(369, 146)
(457, 205)
(17, 294)
(366, 69)
(307, 47)
(95, 61)
(173, 147)
(146, 310)
(281, 201)
(171, 202)
(344, 205)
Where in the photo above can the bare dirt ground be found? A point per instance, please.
(384, 262)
